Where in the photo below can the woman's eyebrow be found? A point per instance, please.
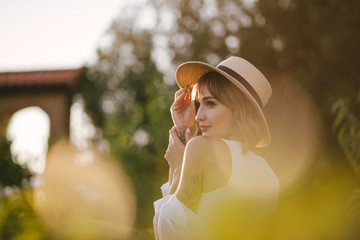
(206, 98)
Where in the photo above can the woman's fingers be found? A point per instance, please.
(172, 130)
(182, 101)
(180, 97)
(180, 91)
(182, 94)
(173, 134)
(175, 151)
(177, 104)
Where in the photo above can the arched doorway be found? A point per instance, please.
(49, 90)
(29, 131)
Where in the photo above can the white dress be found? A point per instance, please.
(242, 207)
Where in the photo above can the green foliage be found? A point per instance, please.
(347, 128)
(203, 30)
(11, 173)
(126, 97)
(92, 92)
(353, 213)
(18, 220)
(314, 41)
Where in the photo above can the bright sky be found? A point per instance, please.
(50, 34)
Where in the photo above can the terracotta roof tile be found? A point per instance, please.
(67, 77)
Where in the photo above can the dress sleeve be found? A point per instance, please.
(173, 220)
(165, 188)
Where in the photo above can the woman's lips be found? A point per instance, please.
(204, 128)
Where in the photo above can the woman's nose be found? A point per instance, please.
(199, 115)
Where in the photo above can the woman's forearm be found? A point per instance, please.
(171, 177)
(174, 178)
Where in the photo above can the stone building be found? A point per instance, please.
(49, 90)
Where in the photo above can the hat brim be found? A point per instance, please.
(189, 73)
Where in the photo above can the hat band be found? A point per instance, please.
(242, 80)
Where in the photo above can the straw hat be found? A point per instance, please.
(242, 74)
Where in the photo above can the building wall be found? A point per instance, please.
(56, 103)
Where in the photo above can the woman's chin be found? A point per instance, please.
(207, 134)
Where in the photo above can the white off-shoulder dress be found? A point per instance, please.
(241, 209)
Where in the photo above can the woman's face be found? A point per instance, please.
(214, 118)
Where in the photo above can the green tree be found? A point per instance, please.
(347, 128)
(11, 173)
(127, 99)
(17, 218)
(314, 41)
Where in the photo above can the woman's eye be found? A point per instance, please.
(210, 104)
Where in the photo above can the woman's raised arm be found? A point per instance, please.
(174, 156)
(197, 153)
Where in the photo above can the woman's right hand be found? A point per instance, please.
(175, 151)
(183, 110)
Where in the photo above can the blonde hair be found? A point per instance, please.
(249, 124)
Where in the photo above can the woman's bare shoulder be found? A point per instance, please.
(204, 147)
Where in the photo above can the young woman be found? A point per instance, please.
(218, 188)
